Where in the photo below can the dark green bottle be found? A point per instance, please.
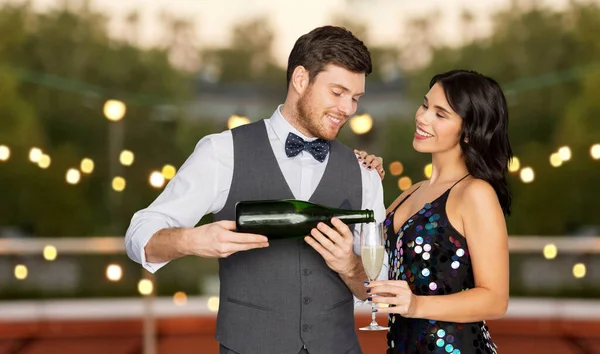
(282, 219)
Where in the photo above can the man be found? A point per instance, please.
(279, 296)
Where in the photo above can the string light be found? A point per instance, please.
(550, 251)
(594, 152)
(564, 153)
(157, 180)
(396, 168)
(35, 154)
(20, 271)
(114, 272)
(527, 175)
(168, 171)
(44, 161)
(126, 158)
(114, 110)
(556, 160)
(73, 176)
(579, 270)
(404, 183)
(361, 124)
(180, 298)
(213, 304)
(145, 287)
(87, 165)
(50, 253)
(514, 165)
(4, 152)
(428, 170)
(235, 121)
(118, 184)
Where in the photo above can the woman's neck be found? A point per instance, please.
(447, 166)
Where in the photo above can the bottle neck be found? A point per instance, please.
(357, 216)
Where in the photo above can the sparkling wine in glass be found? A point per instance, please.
(372, 253)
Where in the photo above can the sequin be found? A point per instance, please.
(433, 258)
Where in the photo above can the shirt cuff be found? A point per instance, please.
(140, 239)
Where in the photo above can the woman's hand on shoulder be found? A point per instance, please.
(371, 162)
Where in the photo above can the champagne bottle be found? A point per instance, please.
(282, 219)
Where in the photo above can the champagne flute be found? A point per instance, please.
(372, 252)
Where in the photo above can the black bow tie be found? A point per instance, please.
(318, 148)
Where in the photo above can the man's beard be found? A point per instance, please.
(310, 119)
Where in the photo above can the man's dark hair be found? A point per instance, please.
(329, 45)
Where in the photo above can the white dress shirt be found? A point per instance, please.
(201, 187)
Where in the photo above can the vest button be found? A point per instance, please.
(306, 300)
(305, 328)
(306, 271)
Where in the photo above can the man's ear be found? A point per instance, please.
(300, 79)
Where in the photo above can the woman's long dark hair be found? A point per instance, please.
(480, 102)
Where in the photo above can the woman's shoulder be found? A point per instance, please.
(476, 193)
(475, 187)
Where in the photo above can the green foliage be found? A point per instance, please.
(58, 68)
(56, 71)
(549, 66)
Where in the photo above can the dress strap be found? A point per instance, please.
(455, 183)
(403, 200)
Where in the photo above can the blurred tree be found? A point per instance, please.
(551, 91)
(248, 58)
(58, 68)
(386, 59)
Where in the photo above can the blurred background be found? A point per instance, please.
(102, 101)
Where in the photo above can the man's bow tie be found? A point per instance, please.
(318, 148)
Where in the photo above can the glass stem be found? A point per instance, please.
(373, 322)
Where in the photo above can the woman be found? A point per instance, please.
(446, 237)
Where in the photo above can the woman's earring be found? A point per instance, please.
(466, 140)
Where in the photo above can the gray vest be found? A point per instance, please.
(276, 299)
